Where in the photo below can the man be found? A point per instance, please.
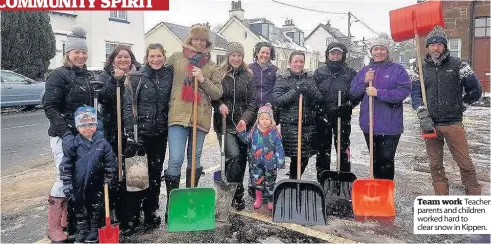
(335, 76)
(446, 78)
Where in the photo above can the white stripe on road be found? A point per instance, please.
(19, 126)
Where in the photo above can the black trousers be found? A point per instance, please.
(327, 129)
(155, 148)
(293, 166)
(235, 160)
(384, 152)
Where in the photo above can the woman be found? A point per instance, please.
(67, 88)
(264, 78)
(286, 95)
(238, 104)
(119, 64)
(391, 85)
(192, 63)
(149, 88)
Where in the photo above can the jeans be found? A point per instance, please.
(178, 137)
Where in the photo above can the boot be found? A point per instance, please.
(251, 191)
(152, 220)
(64, 216)
(199, 171)
(238, 202)
(259, 199)
(441, 188)
(94, 229)
(55, 214)
(82, 228)
(133, 209)
(473, 190)
(171, 183)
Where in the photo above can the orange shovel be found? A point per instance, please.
(108, 234)
(373, 197)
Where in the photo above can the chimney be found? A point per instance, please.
(328, 23)
(236, 10)
(288, 23)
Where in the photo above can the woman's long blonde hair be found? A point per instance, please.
(225, 67)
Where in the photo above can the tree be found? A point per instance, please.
(28, 42)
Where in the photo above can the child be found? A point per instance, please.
(87, 165)
(266, 155)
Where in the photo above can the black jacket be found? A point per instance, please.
(286, 98)
(239, 95)
(67, 88)
(445, 84)
(151, 90)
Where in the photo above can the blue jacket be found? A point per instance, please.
(264, 80)
(87, 163)
(393, 86)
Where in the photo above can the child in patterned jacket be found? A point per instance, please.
(266, 155)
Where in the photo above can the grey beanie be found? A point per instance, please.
(382, 40)
(76, 40)
(437, 35)
(234, 47)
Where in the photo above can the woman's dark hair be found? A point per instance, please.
(260, 45)
(154, 46)
(294, 53)
(108, 66)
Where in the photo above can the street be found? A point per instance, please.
(27, 175)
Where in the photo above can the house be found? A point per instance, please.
(324, 34)
(105, 30)
(172, 37)
(251, 31)
(473, 45)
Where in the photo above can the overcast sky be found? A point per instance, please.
(374, 13)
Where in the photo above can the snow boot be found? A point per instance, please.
(238, 202)
(55, 214)
(473, 190)
(82, 228)
(441, 188)
(171, 183)
(93, 235)
(270, 206)
(259, 199)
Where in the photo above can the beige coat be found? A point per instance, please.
(180, 111)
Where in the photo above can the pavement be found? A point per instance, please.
(24, 193)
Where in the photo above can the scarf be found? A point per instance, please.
(196, 59)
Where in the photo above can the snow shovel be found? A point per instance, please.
(192, 209)
(411, 22)
(96, 86)
(373, 197)
(136, 167)
(120, 133)
(338, 185)
(225, 190)
(298, 201)
(108, 234)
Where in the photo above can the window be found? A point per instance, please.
(265, 30)
(296, 37)
(454, 46)
(13, 78)
(220, 59)
(118, 15)
(111, 45)
(481, 27)
(329, 40)
(63, 47)
(245, 35)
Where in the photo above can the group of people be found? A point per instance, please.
(259, 105)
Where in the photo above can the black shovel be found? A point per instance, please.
(298, 201)
(337, 185)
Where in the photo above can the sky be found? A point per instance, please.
(374, 13)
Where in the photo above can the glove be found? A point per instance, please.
(67, 190)
(109, 180)
(133, 148)
(425, 121)
(343, 110)
(303, 87)
(67, 143)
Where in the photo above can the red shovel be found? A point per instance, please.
(411, 22)
(108, 234)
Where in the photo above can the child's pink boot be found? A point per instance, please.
(270, 206)
(259, 199)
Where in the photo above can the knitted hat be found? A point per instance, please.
(267, 108)
(437, 35)
(381, 40)
(234, 47)
(76, 40)
(85, 116)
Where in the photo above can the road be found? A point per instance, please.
(24, 195)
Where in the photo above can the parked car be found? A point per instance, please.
(18, 90)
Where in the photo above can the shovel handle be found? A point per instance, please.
(106, 199)
(338, 142)
(370, 124)
(195, 130)
(222, 159)
(299, 137)
(418, 58)
(120, 139)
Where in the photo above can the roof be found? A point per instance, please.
(182, 33)
(340, 36)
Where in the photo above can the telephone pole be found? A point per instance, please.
(349, 36)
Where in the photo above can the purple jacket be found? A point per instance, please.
(393, 86)
(264, 80)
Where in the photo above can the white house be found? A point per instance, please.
(324, 34)
(251, 31)
(105, 29)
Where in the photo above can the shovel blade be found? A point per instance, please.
(225, 196)
(217, 176)
(300, 202)
(109, 234)
(337, 189)
(191, 209)
(373, 198)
